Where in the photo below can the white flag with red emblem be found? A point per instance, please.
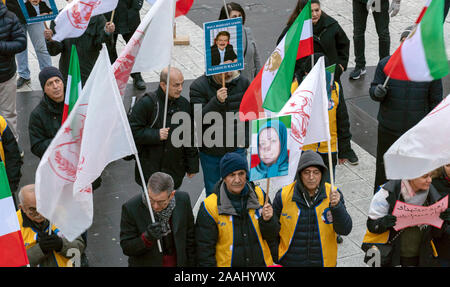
(74, 19)
(308, 107)
(96, 133)
(150, 47)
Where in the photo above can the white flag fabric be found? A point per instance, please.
(423, 148)
(74, 19)
(150, 47)
(96, 133)
(308, 107)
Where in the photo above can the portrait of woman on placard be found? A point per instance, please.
(272, 151)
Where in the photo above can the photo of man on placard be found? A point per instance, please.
(222, 50)
(38, 10)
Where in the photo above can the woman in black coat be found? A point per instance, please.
(329, 37)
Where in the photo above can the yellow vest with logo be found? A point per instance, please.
(3, 126)
(30, 236)
(224, 246)
(289, 219)
(322, 147)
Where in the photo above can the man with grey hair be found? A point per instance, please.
(153, 137)
(44, 249)
(173, 226)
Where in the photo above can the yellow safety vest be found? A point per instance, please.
(289, 219)
(224, 246)
(29, 239)
(322, 147)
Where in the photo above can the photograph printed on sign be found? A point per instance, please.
(223, 46)
(38, 10)
(270, 155)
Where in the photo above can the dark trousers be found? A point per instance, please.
(446, 7)
(381, 19)
(385, 140)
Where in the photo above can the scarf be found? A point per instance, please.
(411, 197)
(163, 217)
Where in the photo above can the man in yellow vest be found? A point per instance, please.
(311, 216)
(44, 250)
(234, 226)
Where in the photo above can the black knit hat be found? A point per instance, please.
(47, 73)
(231, 162)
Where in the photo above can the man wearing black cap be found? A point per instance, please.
(402, 105)
(234, 225)
(45, 119)
(311, 215)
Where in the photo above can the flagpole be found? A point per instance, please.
(144, 187)
(226, 9)
(112, 15)
(267, 192)
(167, 97)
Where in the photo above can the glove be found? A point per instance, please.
(380, 92)
(445, 215)
(387, 222)
(394, 8)
(153, 231)
(50, 243)
(370, 4)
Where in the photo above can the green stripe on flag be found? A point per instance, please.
(256, 125)
(432, 32)
(5, 190)
(280, 89)
(74, 71)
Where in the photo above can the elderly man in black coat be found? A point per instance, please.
(158, 149)
(173, 226)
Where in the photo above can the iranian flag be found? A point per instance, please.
(422, 57)
(73, 88)
(271, 87)
(12, 248)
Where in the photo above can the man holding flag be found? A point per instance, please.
(404, 100)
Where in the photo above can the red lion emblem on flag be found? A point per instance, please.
(80, 13)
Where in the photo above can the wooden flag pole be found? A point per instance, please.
(144, 188)
(112, 15)
(266, 200)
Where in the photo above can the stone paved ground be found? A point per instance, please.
(356, 182)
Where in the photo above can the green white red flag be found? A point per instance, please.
(73, 89)
(422, 56)
(12, 248)
(272, 86)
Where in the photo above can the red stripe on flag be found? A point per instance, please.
(394, 67)
(12, 250)
(251, 104)
(65, 113)
(183, 7)
(421, 14)
(305, 48)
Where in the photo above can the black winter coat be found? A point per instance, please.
(127, 17)
(406, 103)
(134, 221)
(13, 6)
(441, 237)
(45, 121)
(12, 41)
(203, 92)
(146, 119)
(246, 248)
(329, 39)
(88, 47)
(13, 160)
